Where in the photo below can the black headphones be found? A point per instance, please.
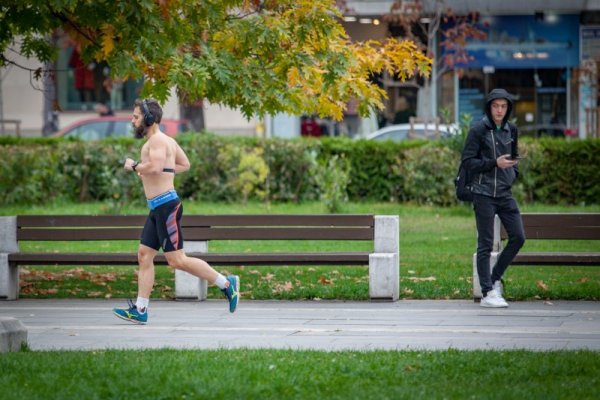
(148, 116)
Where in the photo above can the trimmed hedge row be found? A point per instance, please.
(236, 169)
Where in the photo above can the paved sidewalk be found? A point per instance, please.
(323, 325)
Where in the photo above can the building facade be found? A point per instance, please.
(545, 52)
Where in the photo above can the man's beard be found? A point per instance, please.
(139, 132)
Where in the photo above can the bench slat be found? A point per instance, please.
(278, 234)
(352, 258)
(572, 226)
(44, 221)
(557, 219)
(356, 220)
(195, 234)
(538, 258)
(80, 234)
(55, 221)
(563, 233)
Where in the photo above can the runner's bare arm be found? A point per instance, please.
(182, 163)
(157, 157)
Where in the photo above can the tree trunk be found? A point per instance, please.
(49, 111)
(424, 101)
(194, 114)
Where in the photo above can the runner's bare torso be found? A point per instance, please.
(161, 152)
(161, 158)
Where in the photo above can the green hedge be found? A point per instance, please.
(236, 169)
(561, 172)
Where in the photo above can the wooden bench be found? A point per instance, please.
(548, 226)
(198, 230)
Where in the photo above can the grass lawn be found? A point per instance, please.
(288, 374)
(436, 246)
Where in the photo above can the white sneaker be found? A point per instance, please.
(499, 288)
(493, 300)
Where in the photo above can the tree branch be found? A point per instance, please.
(70, 22)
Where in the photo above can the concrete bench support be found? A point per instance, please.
(9, 276)
(384, 263)
(13, 334)
(496, 249)
(188, 286)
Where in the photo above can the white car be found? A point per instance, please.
(402, 132)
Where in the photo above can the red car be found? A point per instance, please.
(103, 127)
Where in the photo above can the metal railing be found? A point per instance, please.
(16, 122)
(592, 122)
(431, 126)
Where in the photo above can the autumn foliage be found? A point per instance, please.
(258, 56)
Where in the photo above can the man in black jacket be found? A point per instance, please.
(492, 172)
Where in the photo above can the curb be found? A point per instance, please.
(13, 334)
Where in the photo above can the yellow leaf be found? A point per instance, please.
(424, 279)
(293, 76)
(108, 45)
(542, 285)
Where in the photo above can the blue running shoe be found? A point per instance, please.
(232, 292)
(131, 314)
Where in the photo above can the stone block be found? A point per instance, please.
(188, 286)
(476, 286)
(9, 279)
(384, 276)
(387, 234)
(13, 334)
(8, 235)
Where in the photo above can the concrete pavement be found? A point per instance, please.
(322, 325)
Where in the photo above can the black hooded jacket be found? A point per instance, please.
(485, 143)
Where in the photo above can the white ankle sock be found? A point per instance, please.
(220, 281)
(142, 304)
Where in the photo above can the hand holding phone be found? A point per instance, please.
(504, 161)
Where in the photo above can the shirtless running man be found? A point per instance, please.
(161, 159)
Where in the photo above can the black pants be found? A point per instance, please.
(485, 208)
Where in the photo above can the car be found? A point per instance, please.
(546, 130)
(103, 127)
(402, 132)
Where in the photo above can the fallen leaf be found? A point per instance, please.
(417, 279)
(286, 287)
(542, 285)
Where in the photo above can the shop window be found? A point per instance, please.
(82, 86)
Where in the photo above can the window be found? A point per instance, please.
(81, 86)
(90, 131)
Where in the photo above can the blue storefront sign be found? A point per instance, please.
(590, 42)
(526, 42)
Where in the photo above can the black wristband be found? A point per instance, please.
(134, 165)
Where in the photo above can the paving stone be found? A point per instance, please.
(321, 325)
